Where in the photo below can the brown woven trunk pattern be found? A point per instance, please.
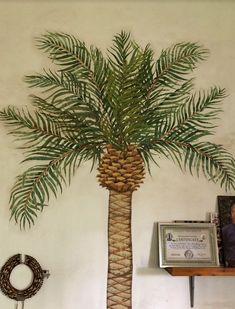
(120, 251)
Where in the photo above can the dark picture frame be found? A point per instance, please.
(226, 207)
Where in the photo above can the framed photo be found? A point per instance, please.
(187, 245)
(226, 206)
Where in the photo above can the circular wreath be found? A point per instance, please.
(5, 273)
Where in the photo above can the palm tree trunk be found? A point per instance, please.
(119, 283)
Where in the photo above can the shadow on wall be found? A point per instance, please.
(153, 263)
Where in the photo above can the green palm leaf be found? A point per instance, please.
(174, 64)
(31, 191)
(73, 56)
(196, 117)
(67, 51)
(213, 160)
(33, 129)
(177, 61)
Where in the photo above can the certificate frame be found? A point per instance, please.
(187, 245)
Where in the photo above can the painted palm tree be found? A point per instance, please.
(122, 112)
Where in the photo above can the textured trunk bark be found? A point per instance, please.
(119, 283)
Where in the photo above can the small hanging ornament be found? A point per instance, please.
(38, 276)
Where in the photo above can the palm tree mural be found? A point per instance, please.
(121, 112)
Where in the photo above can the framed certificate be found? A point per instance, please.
(187, 244)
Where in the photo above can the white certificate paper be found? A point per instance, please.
(190, 244)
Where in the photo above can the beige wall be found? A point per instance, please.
(70, 236)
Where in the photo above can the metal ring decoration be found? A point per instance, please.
(6, 286)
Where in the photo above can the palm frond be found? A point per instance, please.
(145, 75)
(173, 99)
(58, 85)
(67, 51)
(174, 64)
(184, 123)
(79, 120)
(121, 49)
(75, 58)
(101, 70)
(177, 61)
(162, 148)
(125, 87)
(64, 91)
(32, 129)
(213, 160)
(31, 191)
(196, 117)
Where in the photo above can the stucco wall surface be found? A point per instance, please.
(70, 237)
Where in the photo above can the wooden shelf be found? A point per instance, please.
(201, 271)
(191, 272)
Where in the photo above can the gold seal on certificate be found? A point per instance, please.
(187, 244)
